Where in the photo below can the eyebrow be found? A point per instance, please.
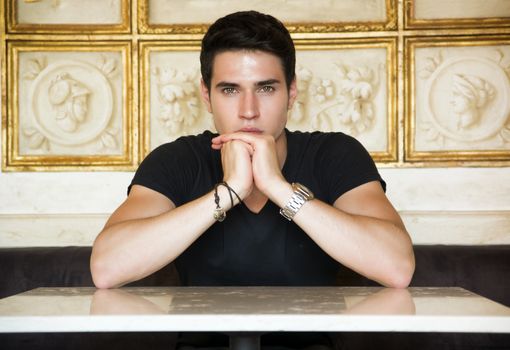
(223, 84)
(267, 82)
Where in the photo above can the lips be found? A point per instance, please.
(252, 130)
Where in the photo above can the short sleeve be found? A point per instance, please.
(345, 164)
(168, 170)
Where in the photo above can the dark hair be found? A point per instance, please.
(248, 30)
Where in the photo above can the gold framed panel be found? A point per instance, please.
(362, 73)
(411, 21)
(464, 108)
(96, 145)
(14, 25)
(380, 90)
(314, 25)
(146, 72)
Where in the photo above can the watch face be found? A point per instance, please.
(303, 190)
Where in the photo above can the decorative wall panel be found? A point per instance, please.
(343, 85)
(457, 13)
(171, 104)
(50, 16)
(302, 16)
(349, 86)
(70, 105)
(95, 85)
(405, 77)
(458, 97)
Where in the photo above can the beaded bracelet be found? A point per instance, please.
(219, 212)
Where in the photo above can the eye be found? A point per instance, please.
(267, 89)
(229, 90)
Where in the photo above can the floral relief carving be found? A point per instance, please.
(467, 100)
(298, 111)
(343, 102)
(179, 104)
(338, 93)
(71, 104)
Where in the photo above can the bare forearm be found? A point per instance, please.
(376, 248)
(130, 250)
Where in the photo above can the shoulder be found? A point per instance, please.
(172, 168)
(183, 147)
(329, 142)
(189, 142)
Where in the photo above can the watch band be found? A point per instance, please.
(299, 197)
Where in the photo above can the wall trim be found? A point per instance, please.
(458, 227)
(425, 227)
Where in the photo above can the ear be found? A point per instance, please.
(292, 93)
(206, 97)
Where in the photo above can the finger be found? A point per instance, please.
(240, 136)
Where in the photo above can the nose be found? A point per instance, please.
(248, 108)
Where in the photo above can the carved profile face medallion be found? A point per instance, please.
(466, 106)
(71, 102)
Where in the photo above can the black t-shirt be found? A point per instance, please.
(264, 248)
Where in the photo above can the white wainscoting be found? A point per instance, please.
(445, 227)
(438, 205)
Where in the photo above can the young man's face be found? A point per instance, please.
(248, 93)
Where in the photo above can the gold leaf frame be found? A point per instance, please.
(39, 28)
(410, 22)
(388, 43)
(14, 161)
(144, 51)
(443, 157)
(314, 26)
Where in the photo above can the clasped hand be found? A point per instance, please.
(249, 160)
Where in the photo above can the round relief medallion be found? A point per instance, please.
(468, 99)
(72, 102)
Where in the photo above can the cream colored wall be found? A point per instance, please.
(439, 205)
(447, 204)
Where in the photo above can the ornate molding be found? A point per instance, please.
(49, 14)
(458, 99)
(313, 25)
(67, 112)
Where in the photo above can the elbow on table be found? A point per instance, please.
(402, 274)
(102, 274)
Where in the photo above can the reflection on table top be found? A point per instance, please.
(252, 309)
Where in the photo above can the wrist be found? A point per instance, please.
(238, 188)
(279, 192)
(300, 195)
(225, 198)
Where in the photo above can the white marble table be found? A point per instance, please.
(247, 312)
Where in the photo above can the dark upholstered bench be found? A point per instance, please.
(484, 270)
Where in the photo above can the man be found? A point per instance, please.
(184, 203)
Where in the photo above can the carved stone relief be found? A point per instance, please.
(338, 90)
(70, 103)
(175, 105)
(206, 11)
(69, 11)
(343, 90)
(462, 98)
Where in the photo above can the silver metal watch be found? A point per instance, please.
(299, 197)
